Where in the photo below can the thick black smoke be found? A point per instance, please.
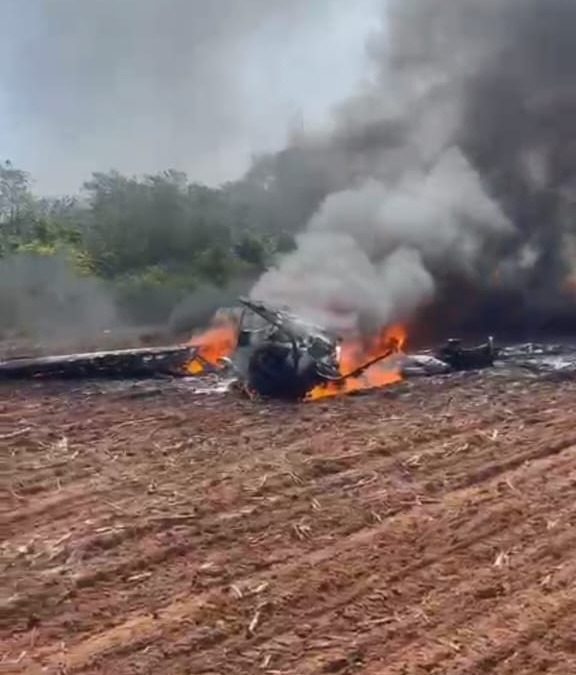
(449, 187)
(517, 128)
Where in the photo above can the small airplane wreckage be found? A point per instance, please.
(268, 353)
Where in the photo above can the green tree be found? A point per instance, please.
(15, 195)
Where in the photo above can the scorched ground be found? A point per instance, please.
(426, 528)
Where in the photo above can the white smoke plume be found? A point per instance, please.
(369, 254)
(416, 206)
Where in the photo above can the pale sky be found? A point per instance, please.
(145, 85)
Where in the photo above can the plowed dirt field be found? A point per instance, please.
(424, 529)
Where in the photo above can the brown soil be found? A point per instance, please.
(425, 529)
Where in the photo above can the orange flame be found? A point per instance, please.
(213, 344)
(355, 353)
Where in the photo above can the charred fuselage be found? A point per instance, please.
(281, 356)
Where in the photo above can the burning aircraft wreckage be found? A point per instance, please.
(266, 352)
(274, 354)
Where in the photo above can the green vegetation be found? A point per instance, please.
(152, 242)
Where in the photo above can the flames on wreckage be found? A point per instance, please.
(276, 354)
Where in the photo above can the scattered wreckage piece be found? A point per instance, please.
(451, 357)
(552, 361)
(423, 365)
(124, 363)
(460, 358)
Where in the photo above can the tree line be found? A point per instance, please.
(157, 240)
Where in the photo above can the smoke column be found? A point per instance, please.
(451, 176)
